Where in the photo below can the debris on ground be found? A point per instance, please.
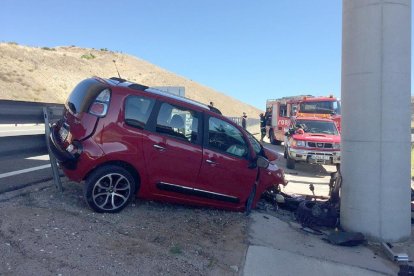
(406, 270)
(314, 213)
(346, 238)
(394, 254)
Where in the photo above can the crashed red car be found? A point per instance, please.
(124, 139)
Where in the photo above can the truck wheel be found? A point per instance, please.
(290, 163)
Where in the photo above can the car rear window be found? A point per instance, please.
(83, 94)
(138, 110)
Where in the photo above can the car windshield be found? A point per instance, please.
(312, 126)
(322, 107)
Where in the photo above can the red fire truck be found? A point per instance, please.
(284, 109)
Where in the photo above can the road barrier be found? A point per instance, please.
(18, 112)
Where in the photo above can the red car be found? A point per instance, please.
(126, 139)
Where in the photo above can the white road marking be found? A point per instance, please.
(40, 157)
(3, 175)
(21, 130)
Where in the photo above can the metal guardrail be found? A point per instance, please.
(19, 112)
(250, 121)
(23, 143)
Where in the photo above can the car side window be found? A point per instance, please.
(255, 144)
(226, 138)
(138, 110)
(178, 122)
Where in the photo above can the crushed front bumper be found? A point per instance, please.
(315, 157)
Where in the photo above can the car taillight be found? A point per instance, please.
(100, 106)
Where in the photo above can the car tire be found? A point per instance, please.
(290, 163)
(249, 201)
(304, 214)
(313, 213)
(109, 189)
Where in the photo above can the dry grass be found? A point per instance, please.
(49, 75)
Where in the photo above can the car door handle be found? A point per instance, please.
(158, 147)
(211, 162)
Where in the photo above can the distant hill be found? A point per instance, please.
(49, 74)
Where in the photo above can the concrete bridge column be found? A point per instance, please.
(376, 112)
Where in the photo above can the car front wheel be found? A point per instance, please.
(109, 189)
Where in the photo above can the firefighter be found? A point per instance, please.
(262, 126)
(244, 120)
(268, 119)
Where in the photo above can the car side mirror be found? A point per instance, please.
(262, 162)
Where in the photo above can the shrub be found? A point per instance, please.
(88, 56)
(48, 49)
(175, 250)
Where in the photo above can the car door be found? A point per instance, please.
(226, 171)
(173, 150)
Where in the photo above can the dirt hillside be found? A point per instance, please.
(49, 74)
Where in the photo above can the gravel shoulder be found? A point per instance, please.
(43, 232)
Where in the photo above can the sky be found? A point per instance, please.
(250, 50)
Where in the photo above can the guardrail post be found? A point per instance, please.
(55, 170)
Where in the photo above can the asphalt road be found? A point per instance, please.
(21, 170)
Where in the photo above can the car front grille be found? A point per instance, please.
(320, 145)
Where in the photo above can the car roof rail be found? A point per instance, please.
(118, 79)
(137, 86)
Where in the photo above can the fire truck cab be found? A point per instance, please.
(285, 108)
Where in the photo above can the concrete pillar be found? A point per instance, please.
(376, 89)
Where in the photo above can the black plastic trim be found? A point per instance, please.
(196, 192)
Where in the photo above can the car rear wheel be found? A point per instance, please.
(109, 189)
